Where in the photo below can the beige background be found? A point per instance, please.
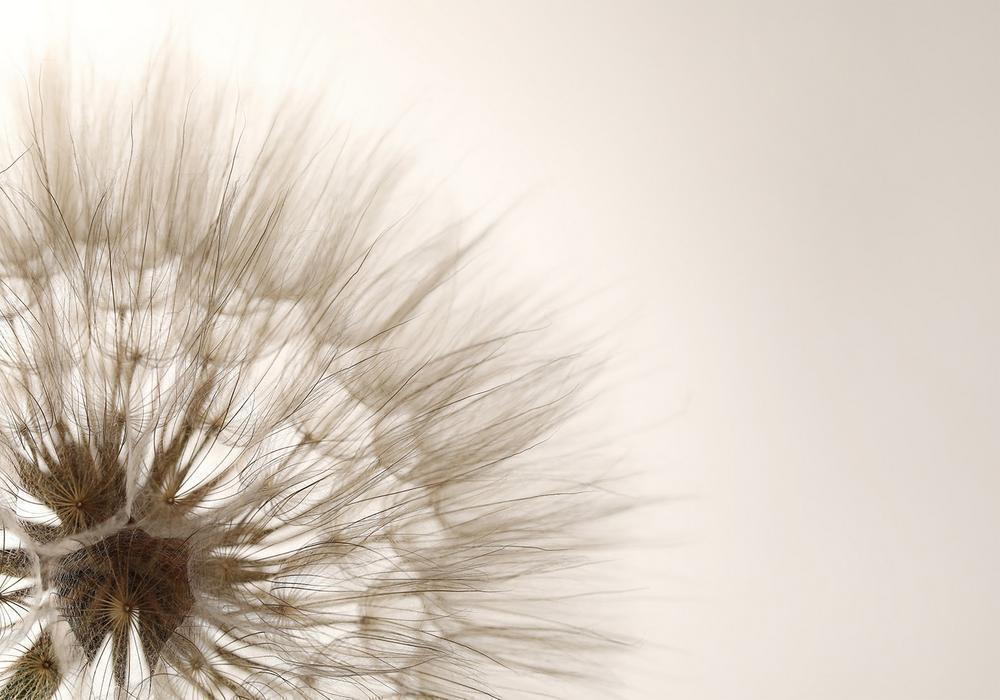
(787, 214)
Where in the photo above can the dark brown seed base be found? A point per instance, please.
(128, 583)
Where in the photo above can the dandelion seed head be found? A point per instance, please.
(252, 444)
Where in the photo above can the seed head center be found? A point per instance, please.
(101, 588)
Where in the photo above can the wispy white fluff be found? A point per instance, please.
(255, 442)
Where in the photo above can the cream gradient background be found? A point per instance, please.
(786, 213)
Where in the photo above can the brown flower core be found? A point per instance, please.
(127, 584)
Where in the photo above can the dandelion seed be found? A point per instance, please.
(250, 446)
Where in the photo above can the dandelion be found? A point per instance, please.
(252, 444)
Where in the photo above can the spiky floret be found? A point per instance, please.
(251, 445)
